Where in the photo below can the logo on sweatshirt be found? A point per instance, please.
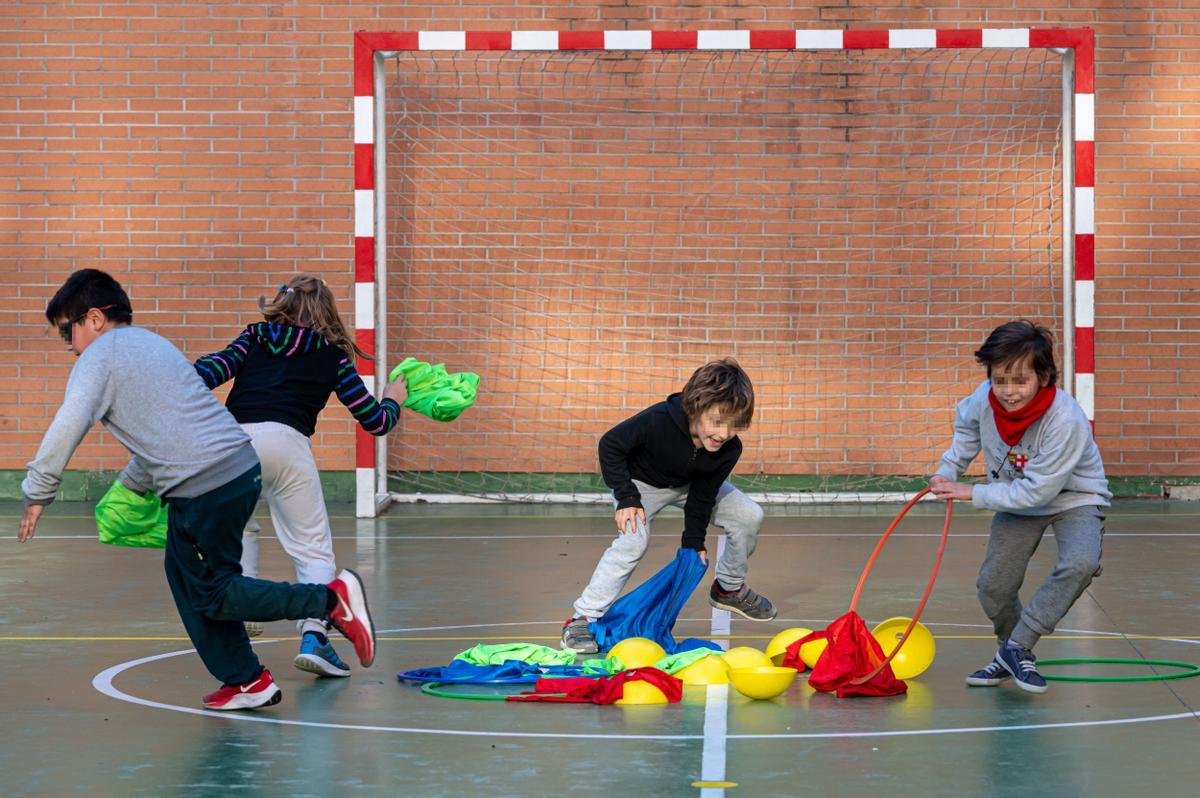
(1018, 460)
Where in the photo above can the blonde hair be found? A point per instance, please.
(305, 301)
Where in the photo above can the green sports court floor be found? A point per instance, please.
(101, 694)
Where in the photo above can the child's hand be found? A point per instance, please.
(397, 391)
(703, 556)
(936, 480)
(627, 518)
(29, 521)
(956, 491)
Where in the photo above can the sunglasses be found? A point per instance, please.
(67, 328)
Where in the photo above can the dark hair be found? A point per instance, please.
(1016, 341)
(723, 384)
(87, 289)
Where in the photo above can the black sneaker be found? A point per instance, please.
(578, 638)
(744, 601)
(1021, 663)
(989, 675)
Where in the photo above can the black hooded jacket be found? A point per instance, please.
(656, 447)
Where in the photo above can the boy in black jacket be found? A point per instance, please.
(678, 452)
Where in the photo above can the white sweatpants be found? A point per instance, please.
(292, 487)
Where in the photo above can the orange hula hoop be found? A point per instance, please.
(937, 563)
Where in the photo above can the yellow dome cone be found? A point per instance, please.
(917, 654)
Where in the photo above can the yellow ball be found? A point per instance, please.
(640, 692)
(811, 652)
(746, 657)
(917, 654)
(779, 643)
(762, 683)
(637, 652)
(709, 670)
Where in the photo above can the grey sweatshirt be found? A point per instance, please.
(147, 394)
(1054, 467)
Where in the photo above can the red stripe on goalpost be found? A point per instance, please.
(772, 40)
(581, 40)
(1085, 164)
(390, 40)
(960, 38)
(1085, 256)
(1083, 41)
(364, 259)
(365, 46)
(364, 448)
(366, 341)
(674, 39)
(864, 39)
(1085, 350)
(364, 166)
(489, 40)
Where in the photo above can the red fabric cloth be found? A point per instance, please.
(851, 654)
(603, 690)
(1011, 424)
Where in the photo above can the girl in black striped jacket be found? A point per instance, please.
(283, 370)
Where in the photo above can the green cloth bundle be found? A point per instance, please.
(433, 392)
(673, 663)
(498, 654)
(124, 518)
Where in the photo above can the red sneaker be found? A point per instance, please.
(351, 616)
(262, 692)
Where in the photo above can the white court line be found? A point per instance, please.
(103, 683)
(605, 535)
(712, 757)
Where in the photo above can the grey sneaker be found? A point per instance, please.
(745, 602)
(576, 637)
(989, 675)
(253, 628)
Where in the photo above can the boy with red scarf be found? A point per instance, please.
(1044, 470)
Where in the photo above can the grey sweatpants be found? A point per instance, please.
(1013, 540)
(291, 485)
(735, 512)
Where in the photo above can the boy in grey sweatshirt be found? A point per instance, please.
(188, 450)
(1044, 470)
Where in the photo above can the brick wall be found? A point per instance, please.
(201, 151)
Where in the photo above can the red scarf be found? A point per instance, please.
(1011, 424)
(602, 690)
(851, 654)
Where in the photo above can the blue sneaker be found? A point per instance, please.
(1021, 663)
(319, 658)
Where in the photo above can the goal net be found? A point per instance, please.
(584, 229)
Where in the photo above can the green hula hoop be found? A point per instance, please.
(433, 688)
(1189, 669)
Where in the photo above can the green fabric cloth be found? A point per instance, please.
(672, 663)
(602, 667)
(498, 654)
(124, 518)
(433, 392)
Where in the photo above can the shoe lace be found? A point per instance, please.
(1027, 661)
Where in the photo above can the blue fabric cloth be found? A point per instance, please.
(651, 610)
(511, 672)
